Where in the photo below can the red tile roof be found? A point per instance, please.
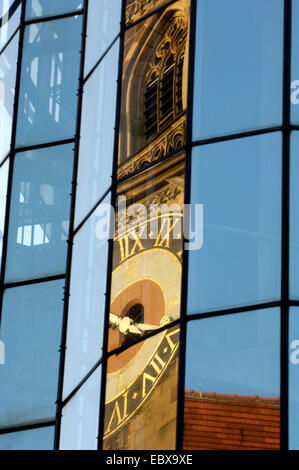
(214, 421)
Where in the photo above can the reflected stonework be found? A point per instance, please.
(141, 389)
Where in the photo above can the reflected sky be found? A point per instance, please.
(235, 354)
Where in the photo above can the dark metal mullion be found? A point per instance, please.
(185, 258)
(284, 386)
(100, 59)
(91, 211)
(234, 310)
(55, 277)
(43, 145)
(10, 40)
(11, 158)
(110, 242)
(27, 427)
(71, 230)
(238, 135)
(44, 19)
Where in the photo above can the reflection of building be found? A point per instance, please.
(220, 422)
(164, 103)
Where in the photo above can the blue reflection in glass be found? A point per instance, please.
(238, 66)
(39, 213)
(97, 134)
(49, 81)
(37, 8)
(10, 11)
(87, 299)
(239, 184)
(32, 439)
(294, 379)
(235, 354)
(294, 219)
(31, 332)
(102, 28)
(295, 65)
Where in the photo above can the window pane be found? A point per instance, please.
(141, 395)
(87, 299)
(39, 213)
(102, 27)
(232, 382)
(239, 184)
(97, 135)
(80, 417)
(8, 66)
(239, 45)
(3, 190)
(31, 332)
(49, 81)
(294, 222)
(33, 439)
(154, 87)
(10, 11)
(37, 8)
(295, 64)
(294, 379)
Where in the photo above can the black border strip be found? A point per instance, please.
(285, 231)
(71, 236)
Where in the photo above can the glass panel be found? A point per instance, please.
(294, 222)
(103, 26)
(239, 184)
(3, 190)
(87, 299)
(49, 81)
(39, 213)
(31, 332)
(147, 252)
(232, 382)
(80, 417)
(141, 395)
(295, 65)
(294, 379)
(33, 439)
(37, 8)
(154, 91)
(136, 9)
(233, 92)
(8, 66)
(10, 11)
(97, 135)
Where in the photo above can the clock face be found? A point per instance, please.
(145, 288)
(145, 295)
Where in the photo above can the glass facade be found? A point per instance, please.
(149, 225)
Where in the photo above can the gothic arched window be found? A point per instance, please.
(163, 101)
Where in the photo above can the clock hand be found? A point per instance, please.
(126, 325)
